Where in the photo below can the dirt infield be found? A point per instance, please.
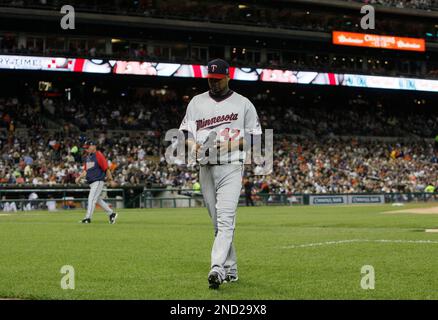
(429, 210)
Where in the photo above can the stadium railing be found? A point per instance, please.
(20, 200)
(67, 199)
(155, 198)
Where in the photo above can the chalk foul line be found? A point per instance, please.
(328, 243)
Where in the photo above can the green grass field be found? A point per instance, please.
(165, 254)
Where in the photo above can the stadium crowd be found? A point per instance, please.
(194, 8)
(301, 165)
(283, 15)
(309, 157)
(412, 4)
(160, 109)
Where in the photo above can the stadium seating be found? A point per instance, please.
(315, 149)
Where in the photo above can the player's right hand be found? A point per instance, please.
(195, 149)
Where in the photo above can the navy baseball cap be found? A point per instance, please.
(89, 143)
(218, 69)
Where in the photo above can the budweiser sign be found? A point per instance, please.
(378, 41)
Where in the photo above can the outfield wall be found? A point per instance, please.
(346, 199)
(143, 197)
(192, 199)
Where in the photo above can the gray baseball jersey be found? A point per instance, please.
(230, 118)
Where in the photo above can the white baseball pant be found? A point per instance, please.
(221, 185)
(95, 197)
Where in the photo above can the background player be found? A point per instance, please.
(230, 120)
(95, 170)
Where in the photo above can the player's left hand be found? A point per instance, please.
(227, 146)
(113, 184)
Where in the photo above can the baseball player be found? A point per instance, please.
(219, 126)
(95, 171)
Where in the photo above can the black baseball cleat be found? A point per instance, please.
(86, 220)
(214, 280)
(112, 218)
(231, 278)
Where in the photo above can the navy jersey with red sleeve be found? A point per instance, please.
(96, 166)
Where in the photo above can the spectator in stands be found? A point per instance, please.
(51, 204)
(248, 187)
(196, 187)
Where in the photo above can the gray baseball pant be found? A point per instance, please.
(95, 197)
(221, 185)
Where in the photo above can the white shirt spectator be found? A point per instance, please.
(51, 205)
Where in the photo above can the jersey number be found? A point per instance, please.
(226, 134)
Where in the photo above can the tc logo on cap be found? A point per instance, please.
(218, 68)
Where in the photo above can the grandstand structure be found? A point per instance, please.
(348, 120)
(282, 34)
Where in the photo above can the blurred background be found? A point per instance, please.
(347, 118)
